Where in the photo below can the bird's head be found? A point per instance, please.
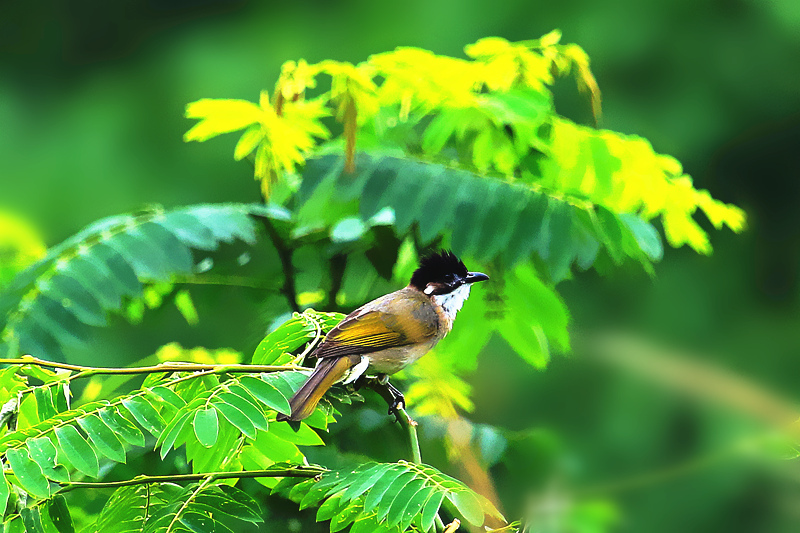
(443, 273)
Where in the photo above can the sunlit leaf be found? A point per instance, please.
(77, 450)
(206, 426)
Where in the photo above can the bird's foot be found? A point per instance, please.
(388, 392)
(398, 400)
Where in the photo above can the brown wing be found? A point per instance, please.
(397, 319)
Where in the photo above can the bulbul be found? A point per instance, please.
(389, 333)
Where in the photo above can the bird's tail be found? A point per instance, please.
(305, 400)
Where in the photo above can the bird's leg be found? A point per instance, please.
(398, 400)
(388, 392)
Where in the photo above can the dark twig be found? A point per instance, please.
(337, 265)
(285, 254)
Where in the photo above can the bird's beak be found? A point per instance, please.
(472, 277)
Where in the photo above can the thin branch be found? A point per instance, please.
(413, 438)
(86, 371)
(285, 254)
(295, 471)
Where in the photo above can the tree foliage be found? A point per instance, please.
(404, 152)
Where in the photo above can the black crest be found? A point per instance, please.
(437, 267)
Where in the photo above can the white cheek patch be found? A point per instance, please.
(429, 289)
(453, 301)
(357, 371)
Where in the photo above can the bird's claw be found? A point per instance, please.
(398, 403)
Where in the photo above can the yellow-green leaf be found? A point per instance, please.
(218, 116)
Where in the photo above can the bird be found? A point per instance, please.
(388, 333)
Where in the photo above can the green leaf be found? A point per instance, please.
(397, 487)
(168, 395)
(332, 506)
(535, 318)
(128, 507)
(241, 398)
(367, 524)
(646, 236)
(206, 426)
(75, 296)
(468, 505)
(42, 450)
(77, 450)
(396, 495)
(348, 230)
(210, 459)
(296, 433)
(430, 509)
(276, 449)
(32, 520)
(486, 216)
(5, 491)
(394, 511)
(123, 427)
(200, 522)
(366, 480)
(266, 393)
(560, 254)
(234, 416)
(388, 485)
(414, 506)
(58, 515)
(518, 106)
(344, 518)
(170, 434)
(59, 301)
(103, 438)
(232, 502)
(185, 305)
(28, 473)
(286, 382)
(14, 525)
(314, 495)
(145, 414)
(288, 337)
(338, 480)
(44, 402)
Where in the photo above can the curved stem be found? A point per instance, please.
(311, 345)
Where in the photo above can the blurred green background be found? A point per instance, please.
(675, 381)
